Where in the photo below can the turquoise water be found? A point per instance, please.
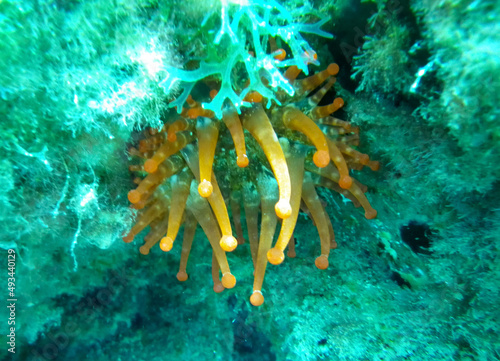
(355, 142)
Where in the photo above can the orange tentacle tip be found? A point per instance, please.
(253, 97)
(182, 276)
(364, 159)
(345, 182)
(275, 256)
(321, 158)
(144, 250)
(374, 165)
(228, 280)
(283, 209)
(256, 299)
(171, 136)
(166, 244)
(205, 189)
(150, 166)
(242, 160)
(228, 243)
(194, 113)
(322, 262)
(218, 288)
(333, 69)
(279, 54)
(128, 238)
(134, 196)
(370, 213)
(338, 103)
